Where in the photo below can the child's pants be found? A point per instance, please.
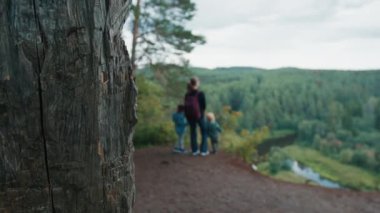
(214, 144)
(180, 143)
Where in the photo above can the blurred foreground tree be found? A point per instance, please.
(67, 107)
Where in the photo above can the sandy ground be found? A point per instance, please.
(167, 182)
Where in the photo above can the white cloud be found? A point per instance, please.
(341, 34)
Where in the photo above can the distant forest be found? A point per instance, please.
(334, 112)
(285, 98)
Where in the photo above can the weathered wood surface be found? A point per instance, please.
(67, 107)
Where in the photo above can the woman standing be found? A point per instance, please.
(195, 106)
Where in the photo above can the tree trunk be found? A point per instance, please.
(67, 107)
(135, 33)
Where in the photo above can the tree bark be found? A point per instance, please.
(67, 107)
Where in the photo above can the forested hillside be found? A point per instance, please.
(288, 98)
(334, 112)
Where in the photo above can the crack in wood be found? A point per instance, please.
(38, 28)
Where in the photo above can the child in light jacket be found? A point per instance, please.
(213, 131)
(180, 123)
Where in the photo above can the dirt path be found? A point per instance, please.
(168, 182)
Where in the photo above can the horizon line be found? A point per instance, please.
(288, 67)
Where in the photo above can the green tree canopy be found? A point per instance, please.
(159, 31)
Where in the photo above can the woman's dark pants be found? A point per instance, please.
(193, 135)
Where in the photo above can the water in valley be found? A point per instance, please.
(309, 174)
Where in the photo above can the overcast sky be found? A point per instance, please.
(343, 34)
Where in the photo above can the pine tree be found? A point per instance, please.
(159, 32)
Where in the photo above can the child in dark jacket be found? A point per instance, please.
(213, 131)
(180, 123)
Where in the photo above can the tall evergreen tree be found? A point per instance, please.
(159, 30)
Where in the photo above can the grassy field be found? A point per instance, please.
(347, 175)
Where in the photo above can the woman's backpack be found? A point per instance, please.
(192, 108)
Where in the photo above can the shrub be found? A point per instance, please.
(360, 158)
(245, 146)
(345, 156)
(278, 160)
(154, 126)
(229, 119)
(154, 134)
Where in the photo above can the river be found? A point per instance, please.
(309, 174)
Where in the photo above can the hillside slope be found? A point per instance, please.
(175, 183)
